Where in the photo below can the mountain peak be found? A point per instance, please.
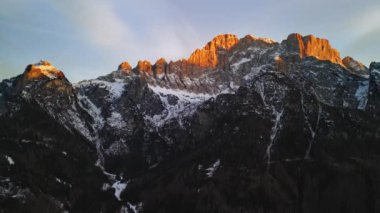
(217, 54)
(254, 38)
(125, 67)
(161, 61)
(225, 41)
(312, 46)
(144, 66)
(42, 69)
(207, 57)
(355, 66)
(160, 67)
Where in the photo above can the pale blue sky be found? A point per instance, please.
(89, 38)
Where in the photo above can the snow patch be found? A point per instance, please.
(118, 148)
(116, 120)
(273, 134)
(9, 83)
(47, 69)
(111, 177)
(25, 141)
(181, 94)
(62, 182)
(95, 112)
(266, 40)
(115, 88)
(119, 188)
(375, 76)
(361, 94)
(185, 106)
(78, 123)
(9, 159)
(312, 131)
(211, 170)
(357, 67)
(254, 71)
(237, 64)
(130, 208)
(259, 88)
(376, 71)
(234, 86)
(27, 96)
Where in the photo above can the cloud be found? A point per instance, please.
(365, 48)
(170, 41)
(364, 33)
(111, 31)
(97, 20)
(366, 23)
(155, 31)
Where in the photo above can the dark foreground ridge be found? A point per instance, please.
(242, 125)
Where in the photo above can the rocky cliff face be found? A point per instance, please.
(309, 45)
(125, 67)
(355, 66)
(374, 88)
(209, 56)
(243, 125)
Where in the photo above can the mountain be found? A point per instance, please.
(242, 125)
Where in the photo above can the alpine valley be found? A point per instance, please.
(242, 125)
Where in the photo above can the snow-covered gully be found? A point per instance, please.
(312, 130)
(274, 131)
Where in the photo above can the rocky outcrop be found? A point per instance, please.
(144, 67)
(310, 45)
(42, 69)
(125, 67)
(217, 54)
(208, 56)
(355, 66)
(249, 39)
(234, 62)
(374, 78)
(160, 67)
(42, 77)
(374, 88)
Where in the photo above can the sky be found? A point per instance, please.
(90, 38)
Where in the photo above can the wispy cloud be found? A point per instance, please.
(103, 26)
(366, 23)
(365, 33)
(98, 22)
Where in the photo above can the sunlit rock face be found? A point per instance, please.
(160, 67)
(125, 67)
(144, 67)
(42, 69)
(312, 46)
(42, 77)
(207, 57)
(355, 66)
(180, 67)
